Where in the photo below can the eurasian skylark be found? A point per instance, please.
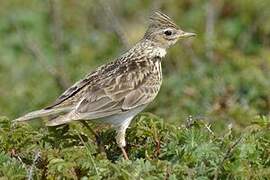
(116, 92)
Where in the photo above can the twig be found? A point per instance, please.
(226, 156)
(57, 34)
(158, 144)
(30, 173)
(98, 139)
(114, 22)
(246, 36)
(14, 154)
(208, 127)
(191, 121)
(34, 49)
(209, 31)
(90, 155)
(168, 172)
(212, 12)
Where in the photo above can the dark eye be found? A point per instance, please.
(168, 32)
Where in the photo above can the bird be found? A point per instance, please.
(116, 92)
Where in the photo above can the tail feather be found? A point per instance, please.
(42, 113)
(63, 119)
(58, 121)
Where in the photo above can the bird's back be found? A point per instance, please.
(140, 65)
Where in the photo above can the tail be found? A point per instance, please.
(63, 119)
(42, 113)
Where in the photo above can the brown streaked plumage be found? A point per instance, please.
(115, 92)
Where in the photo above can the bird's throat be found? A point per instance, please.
(159, 52)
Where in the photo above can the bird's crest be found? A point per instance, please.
(160, 20)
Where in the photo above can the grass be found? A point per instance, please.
(157, 149)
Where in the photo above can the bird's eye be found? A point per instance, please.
(168, 32)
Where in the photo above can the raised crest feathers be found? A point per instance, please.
(158, 19)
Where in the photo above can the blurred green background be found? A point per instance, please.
(222, 75)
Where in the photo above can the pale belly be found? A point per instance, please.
(119, 119)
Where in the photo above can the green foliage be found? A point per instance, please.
(222, 79)
(157, 149)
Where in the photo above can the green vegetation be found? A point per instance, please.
(220, 79)
(157, 150)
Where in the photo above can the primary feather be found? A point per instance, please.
(42, 113)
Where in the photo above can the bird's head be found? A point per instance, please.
(163, 31)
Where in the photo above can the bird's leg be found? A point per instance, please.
(98, 139)
(120, 137)
(124, 153)
(121, 142)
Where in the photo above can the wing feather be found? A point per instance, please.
(92, 79)
(133, 85)
(126, 100)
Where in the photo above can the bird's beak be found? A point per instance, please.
(185, 34)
